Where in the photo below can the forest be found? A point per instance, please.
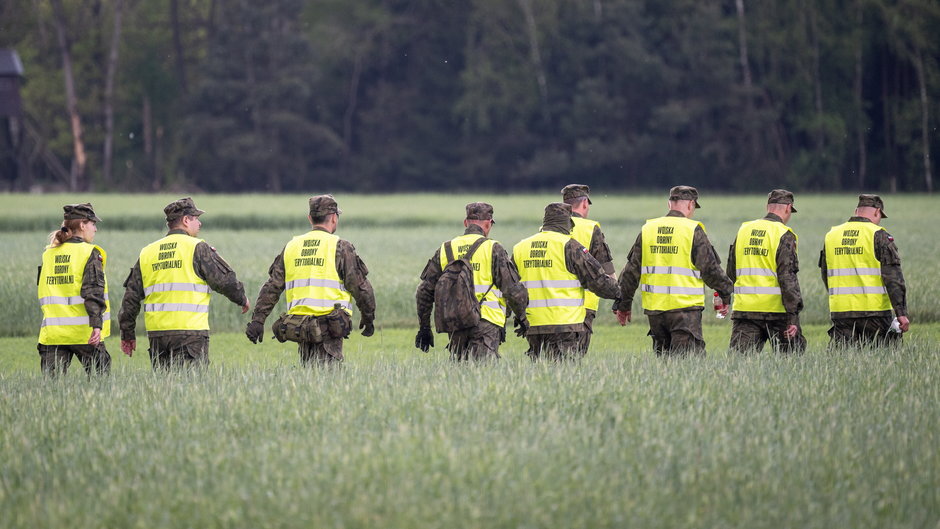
(429, 95)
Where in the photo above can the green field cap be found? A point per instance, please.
(684, 193)
(323, 205)
(479, 211)
(181, 208)
(780, 196)
(872, 201)
(80, 212)
(575, 191)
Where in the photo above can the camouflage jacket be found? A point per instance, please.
(704, 257)
(599, 249)
(580, 262)
(92, 290)
(207, 264)
(788, 264)
(887, 253)
(352, 271)
(505, 278)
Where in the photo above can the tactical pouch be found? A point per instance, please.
(296, 328)
(338, 323)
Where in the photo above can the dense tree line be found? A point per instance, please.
(376, 95)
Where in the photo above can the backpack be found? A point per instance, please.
(455, 301)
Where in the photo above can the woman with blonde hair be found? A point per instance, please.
(73, 295)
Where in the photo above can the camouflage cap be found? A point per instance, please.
(684, 193)
(575, 191)
(80, 212)
(781, 196)
(323, 205)
(872, 201)
(181, 208)
(479, 211)
(557, 213)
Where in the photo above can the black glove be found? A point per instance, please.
(424, 340)
(255, 331)
(522, 327)
(368, 329)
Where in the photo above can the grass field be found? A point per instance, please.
(396, 438)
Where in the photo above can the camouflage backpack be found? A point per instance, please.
(455, 301)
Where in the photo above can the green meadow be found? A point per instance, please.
(397, 438)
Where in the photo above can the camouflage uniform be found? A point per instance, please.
(866, 328)
(94, 358)
(677, 331)
(176, 348)
(565, 342)
(480, 342)
(352, 271)
(598, 249)
(751, 330)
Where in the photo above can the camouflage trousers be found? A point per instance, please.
(677, 333)
(480, 342)
(175, 351)
(588, 330)
(563, 346)
(57, 358)
(871, 331)
(327, 352)
(749, 336)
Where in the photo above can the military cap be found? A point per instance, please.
(557, 212)
(479, 211)
(575, 191)
(684, 193)
(323, 205)
(79, 212)
(780, 196)
(181, 208)
(872, 201)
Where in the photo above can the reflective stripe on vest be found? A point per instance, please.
(493, 308)
(756, 286)
(556, 296)
(668, 279)
(175, 297)
(65, 320)
(854, 271)
(583, 232)
(313, 285)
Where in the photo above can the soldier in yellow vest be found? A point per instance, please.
(321, 274)
(172, 280)
(671, 261)
(763, 264)
(588, 233)
(861, 268)
(556, 269)
(496, 284)
(73, 296)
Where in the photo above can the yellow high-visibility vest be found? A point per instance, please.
(493, 308)
(583, 232)
(313, 285)
(854, 271)
(556, 296)
(64, 318)
(756, 287)
(175, 298)
(668, 279)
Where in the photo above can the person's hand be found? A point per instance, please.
(255, 331)
(904, 323)
(95, 337)
(623, 317)
(723, 310)
(246, 306)
(128, 347)
(367, 326)
(424, 340)
(522, 327)
(791, 332)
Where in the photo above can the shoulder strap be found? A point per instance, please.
(474, 246)
(449, 251)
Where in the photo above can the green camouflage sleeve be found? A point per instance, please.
(581, 263)
(630, 276)
(270, 291)
(424, 295)
(824, 268)
(891, 274)
(706, 259)
(506, 278)
(732, 267)
(210, 266)
(130, 305)
(788, 265)
(601, 251)
(93, 289)
(353, 272)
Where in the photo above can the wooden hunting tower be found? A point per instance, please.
(11, 74)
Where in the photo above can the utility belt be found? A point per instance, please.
(312, 329)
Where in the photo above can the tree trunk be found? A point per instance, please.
(747, 79)
(147, 119)
(860, 118)
(77, 173)
(178, 45)
(109, 93)
(536, 56)
(351, 111)
(925, 118)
